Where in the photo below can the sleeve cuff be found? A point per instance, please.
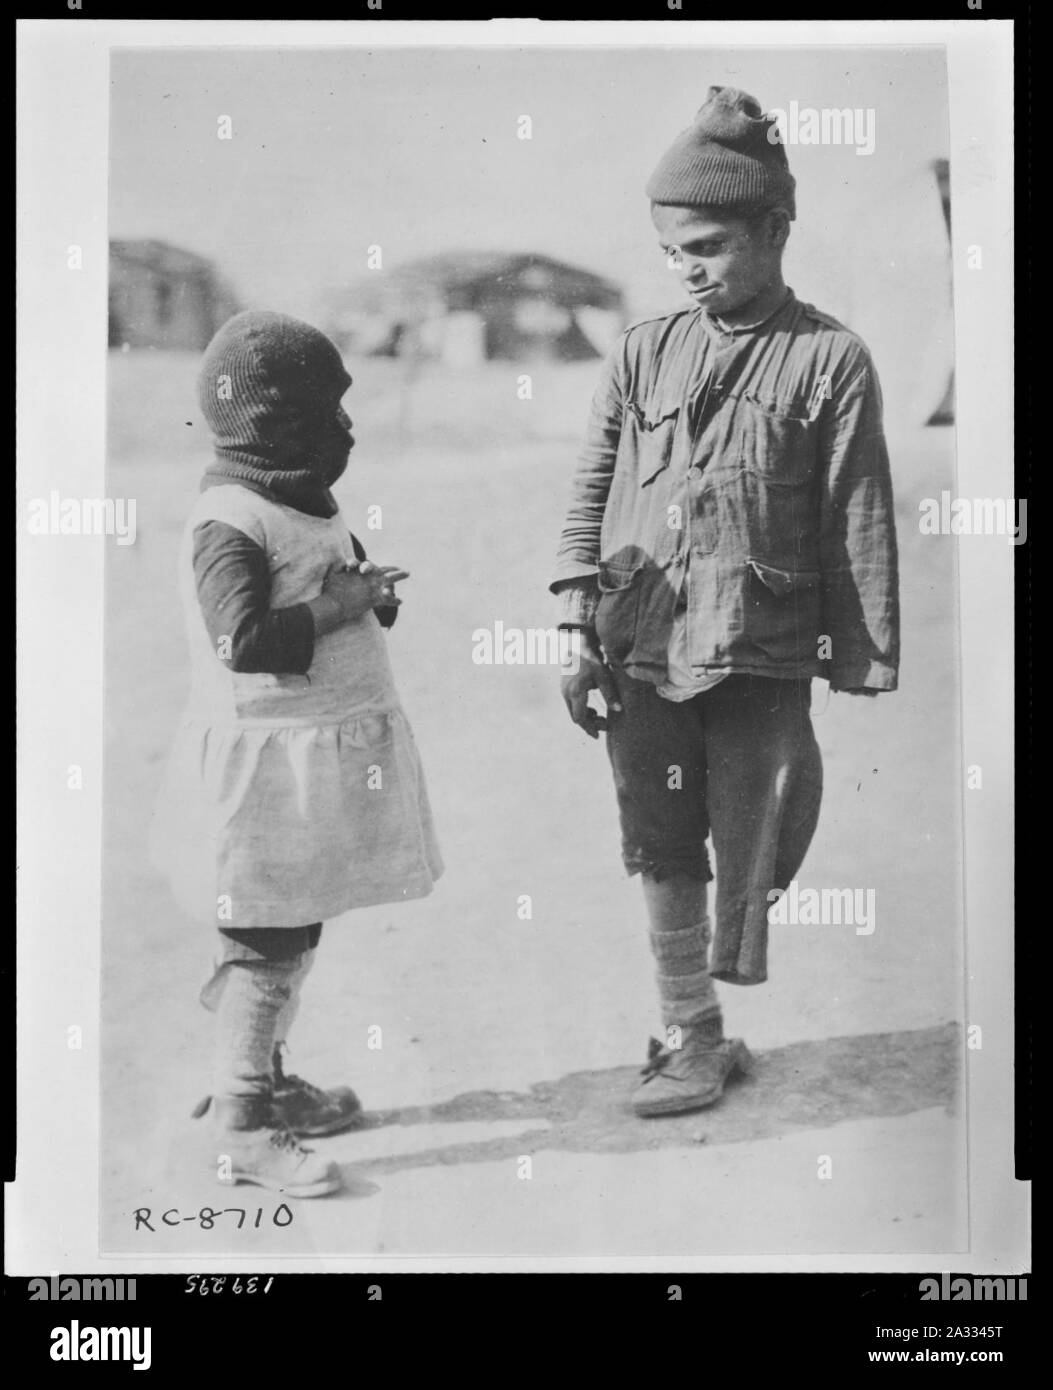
(578, 604)
(864, 675)
(571, 571)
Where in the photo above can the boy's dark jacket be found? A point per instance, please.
(757, 456)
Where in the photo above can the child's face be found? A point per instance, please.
(331, 442)
(724, 262)
(335, 456)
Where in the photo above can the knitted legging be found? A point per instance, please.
(255, 994)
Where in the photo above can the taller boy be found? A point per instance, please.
(730, 536)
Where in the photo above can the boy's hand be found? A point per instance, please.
(359, 588)
(593, 673)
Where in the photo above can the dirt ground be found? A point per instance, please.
(506, 1040)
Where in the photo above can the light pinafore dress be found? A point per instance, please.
(290, 799)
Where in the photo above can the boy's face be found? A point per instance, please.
(725, 262)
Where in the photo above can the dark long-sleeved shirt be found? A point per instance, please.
(233, 581)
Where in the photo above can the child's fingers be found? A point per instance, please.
(386, 595)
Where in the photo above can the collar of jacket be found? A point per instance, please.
(713, 323)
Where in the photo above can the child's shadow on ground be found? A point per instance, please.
(809, 1085)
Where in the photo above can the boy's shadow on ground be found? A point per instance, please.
(809, 1085)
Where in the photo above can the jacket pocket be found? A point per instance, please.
(778, 439)
(652, 440)
(616, 613)
(781, 612)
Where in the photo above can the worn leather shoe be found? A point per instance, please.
(259, 1149)
(308, 1110)
(689, 1077)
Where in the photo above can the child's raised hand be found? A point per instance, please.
(361, 587)
(384, 577)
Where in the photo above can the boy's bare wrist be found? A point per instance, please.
(585, 640)
(591, 649)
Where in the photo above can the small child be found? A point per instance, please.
(294, 791)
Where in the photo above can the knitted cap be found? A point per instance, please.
(269, 387)
(725, 158)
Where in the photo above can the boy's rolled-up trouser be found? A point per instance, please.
(739, 762)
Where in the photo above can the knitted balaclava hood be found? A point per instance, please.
(730, 157)
(269, 388)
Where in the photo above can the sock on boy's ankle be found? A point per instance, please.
(685, 987)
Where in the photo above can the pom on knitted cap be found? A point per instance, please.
(730, 156)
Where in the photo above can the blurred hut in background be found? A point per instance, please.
(164, 297)
(467, 307)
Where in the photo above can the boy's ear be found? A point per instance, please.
(778, 226)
